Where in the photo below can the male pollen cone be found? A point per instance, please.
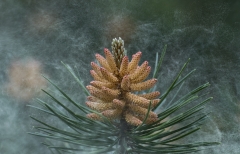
(115, 81)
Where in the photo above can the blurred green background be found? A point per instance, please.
(44, 33)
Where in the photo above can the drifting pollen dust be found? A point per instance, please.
(115, 81)
(42, 21)
(25, 80)
(120, 25)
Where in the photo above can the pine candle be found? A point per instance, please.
(115, 81)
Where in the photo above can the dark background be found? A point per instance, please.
(207, 31)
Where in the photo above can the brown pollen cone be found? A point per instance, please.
(115, 81)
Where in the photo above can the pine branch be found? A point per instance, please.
(119, 119)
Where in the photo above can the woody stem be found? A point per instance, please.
(123, 135)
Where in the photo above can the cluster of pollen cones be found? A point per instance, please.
(115, 82)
